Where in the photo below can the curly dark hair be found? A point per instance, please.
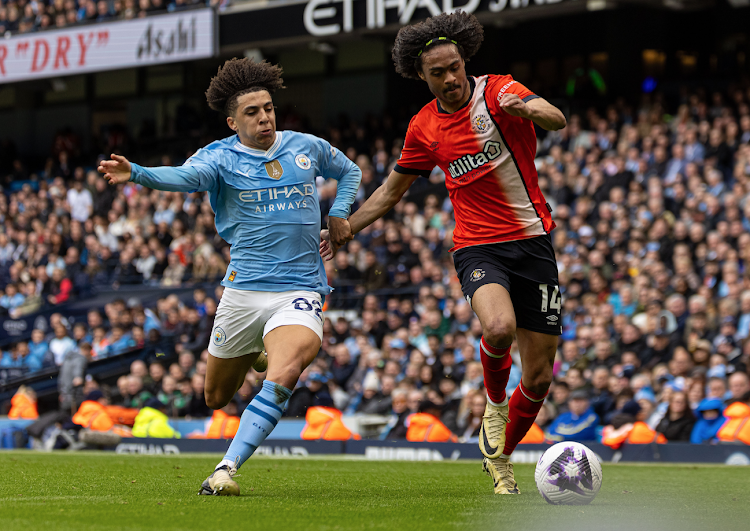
(238, 77)
(461, 27)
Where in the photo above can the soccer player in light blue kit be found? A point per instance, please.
(261, 184)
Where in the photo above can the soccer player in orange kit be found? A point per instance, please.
(480, 132)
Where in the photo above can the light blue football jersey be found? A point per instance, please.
(266, 205)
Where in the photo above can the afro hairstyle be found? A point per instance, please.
(461, 27)
(238, 77)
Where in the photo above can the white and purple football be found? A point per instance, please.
(568, 474)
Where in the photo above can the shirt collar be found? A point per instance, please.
(472, 84)
(259, 152)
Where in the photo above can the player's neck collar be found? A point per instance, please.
(265, 153)
(472, 84)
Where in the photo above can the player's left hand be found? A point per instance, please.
(327, 250)
(514, 105)
(340, 231)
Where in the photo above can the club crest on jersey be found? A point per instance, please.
(467, 163)
(274, 169)
(303, 162)
(477, 275)
(480, 123)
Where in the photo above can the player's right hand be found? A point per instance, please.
(117, 170)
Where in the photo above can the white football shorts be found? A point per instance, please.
(243, 318)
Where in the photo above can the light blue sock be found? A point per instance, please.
(257, 422)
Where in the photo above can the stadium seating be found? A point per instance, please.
(17, 17)
(652, 213)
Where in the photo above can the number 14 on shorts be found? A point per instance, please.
(550, 303)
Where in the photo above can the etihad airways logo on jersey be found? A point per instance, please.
(296, 194)
(272, 194)
(467, 163)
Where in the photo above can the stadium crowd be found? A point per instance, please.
(652, 240)
(26, 16)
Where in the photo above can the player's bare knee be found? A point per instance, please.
(215, 400)
(288, 375)
(500, 332)
(541, 386)
(539, 383)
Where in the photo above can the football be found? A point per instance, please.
(568, 474)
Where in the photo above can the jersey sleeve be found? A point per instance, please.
(500, 85)
(188, 178)
(333, 164)
(415, 156)
(200, 173)
(204, 162)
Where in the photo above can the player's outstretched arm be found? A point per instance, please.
(538, 110)
(382, 200)
(346, 191)
(197, 177)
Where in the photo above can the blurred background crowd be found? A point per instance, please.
(26, 16)
(652, 241)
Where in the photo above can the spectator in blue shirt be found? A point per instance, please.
(119, 342)
(578, 424)
(710, 419)
(11, 299)
(38, 347)
(151, 321)
(163, 212)
(81, 334)
(10, 360)
(27, 360)
(623, 302)
(743, 326)
(694, 150)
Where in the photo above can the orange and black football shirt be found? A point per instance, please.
(488, 159)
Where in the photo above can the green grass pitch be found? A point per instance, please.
(100, 491)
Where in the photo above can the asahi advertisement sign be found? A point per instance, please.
(107, 46)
